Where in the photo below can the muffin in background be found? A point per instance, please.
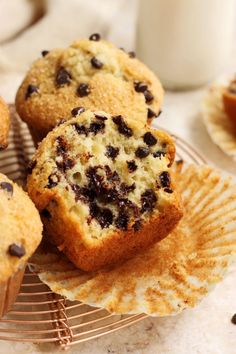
(21, 233)
(4, 124)
(89, 74)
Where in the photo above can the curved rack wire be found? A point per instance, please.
(39, 315)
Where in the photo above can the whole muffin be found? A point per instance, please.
(21, 233)
(4, 124)
(93, 74)
(103, 188)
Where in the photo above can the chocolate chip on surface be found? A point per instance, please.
(99, 117)
(8, 187)
(97, 64)
(142, 152)
(233, 319)
(104, 217)
(16, 250)
(63, 77)
(83, 90)
(112, 152)
(165, 180)
(151, 113)
(122, 221)
(95, 37)
(30, 90)
(137, 225)
(159, 154)
(131, 166)
(140, 86)
(44, 52)
(122, 126)
(148, 96)
(53, 180)
(77, 111)
(149, 139)
(168, 190)
(32, 164)
(148, 200)
(80, 129)
(132, 54)
(96, 127)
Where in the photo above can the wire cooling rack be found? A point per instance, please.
(39, 315)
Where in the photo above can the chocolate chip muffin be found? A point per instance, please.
(4, 124)
(93, 74)
(103, 187)
(21, 232)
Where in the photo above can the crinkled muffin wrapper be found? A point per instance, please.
(9, 290)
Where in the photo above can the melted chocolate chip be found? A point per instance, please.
(137, 225)
(124, 203)
(122, 126)
(112, 177)
(122, 221)
(151, 113)
(95, 37)
(61, 145)
(131, 166)
(97, 64)
(8, 187)
(80, 129)
(53, 180)
(142, 152)
(100, 117)
(16, 250)
(159, 154)
(83, 90)
(46, 214)
(148, 96)
(96, 127)
(148, 200)
(77, 111)
(112, 152)
(95, 180)
(164, 178)
(149, 139)
(30, 90)
(168, 190)
(93, 210)
(140, 86)
(44, 52)
(66, 164)
(32, 164)
(125, 188)
(233, 319)
(104, 217)
(63, 77)
(132, 54)
(110, 196)
(83, 193)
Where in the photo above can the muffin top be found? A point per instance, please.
(90, 73)
(20, 225)
(4, 124)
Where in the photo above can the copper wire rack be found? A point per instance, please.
(39, 315)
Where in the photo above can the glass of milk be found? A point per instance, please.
(186, 42)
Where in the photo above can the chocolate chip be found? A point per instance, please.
(94, 209)
(122, 221)
(30, 90)
(8, 187)
(140, 86)
(80, 129)
(104, 217)
(110, 196)
(148, 96)
(151, 113)
(66, 164)
(46, 214)
(142, 152)
(16, 250)
(31, 166)
(131, 166)
(97, 64)
(168, 190)
(112, 177)
(112, 151)
(61, 145)
(159, 154)
(53, 180)
(83, 90)
(83, 193)
(132, 54)
(77, 111)
(44, 52)
(233, 319)
(95, 37)
(63, 77)
(100, 117)
(164, 178)
(149, 139)
(137, 225)
(125, 188)
(122, 126)
(148, 200)
(96, 127)
(95, 180)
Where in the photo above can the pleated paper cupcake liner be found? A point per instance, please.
(175, 273)
(220, 128)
